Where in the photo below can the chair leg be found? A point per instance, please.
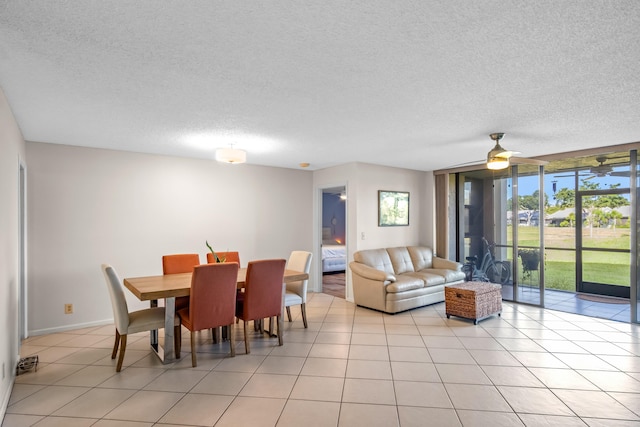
(280, 329)
(232, 340)
(289, 313)
(123, 347)
(115, 345)
(270, 326)
(194, 362)
(246, 338)
(216, 335)
(177, 340)
(304, 313)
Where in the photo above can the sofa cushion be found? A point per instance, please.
(404, 283)
(376, 258)
(401, 260)
(398, 296)
(450, 276)
(429, 278)
(421, 257)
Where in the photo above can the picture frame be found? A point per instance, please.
(393, 208)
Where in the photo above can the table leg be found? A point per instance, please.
(153, 336)
(169, 316)
(166, 353)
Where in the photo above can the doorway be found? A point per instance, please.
(603, 245)
(333, 251)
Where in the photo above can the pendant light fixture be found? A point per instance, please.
(231, 155)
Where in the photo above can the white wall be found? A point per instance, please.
(372, 178)
(90, 206)
(362, 182)
(11, 153)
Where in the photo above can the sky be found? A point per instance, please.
(527, 185)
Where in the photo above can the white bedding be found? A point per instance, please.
(334, 258)
(333, 251)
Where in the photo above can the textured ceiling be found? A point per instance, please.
(415, 84)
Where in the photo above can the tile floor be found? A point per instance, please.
(571, 302)
(351, 367)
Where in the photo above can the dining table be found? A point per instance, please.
(170, 286)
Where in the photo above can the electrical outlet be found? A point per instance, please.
(68, 309)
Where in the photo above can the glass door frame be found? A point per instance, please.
(592, 287)
(515, 176)
(634, 280)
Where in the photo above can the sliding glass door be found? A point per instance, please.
(501, 229)
(529, 203)
(570, 226)
(603, 243)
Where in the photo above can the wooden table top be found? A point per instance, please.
(179, 285)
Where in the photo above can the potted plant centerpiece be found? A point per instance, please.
(530, 260)
(215, 256)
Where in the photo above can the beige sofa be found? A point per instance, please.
(399, 279)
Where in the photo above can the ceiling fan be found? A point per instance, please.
(602, 170)
(499, 158)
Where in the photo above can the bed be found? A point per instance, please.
(334, 258)
(334, 255)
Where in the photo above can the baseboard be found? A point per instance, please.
(65, 328)
(7, 397)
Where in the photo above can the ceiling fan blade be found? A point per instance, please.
(526, 161)
(507, 154)
(626, 174)
(568, 176)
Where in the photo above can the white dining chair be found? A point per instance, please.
(132, 322)
(296, 292)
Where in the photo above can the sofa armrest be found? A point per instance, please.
(370, 272)
(446, 264)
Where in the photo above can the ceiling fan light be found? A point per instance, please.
(498, 157)
(231, 155)
(497, 163)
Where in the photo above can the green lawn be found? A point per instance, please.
(598, 267)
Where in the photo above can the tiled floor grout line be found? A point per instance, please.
(459, 331)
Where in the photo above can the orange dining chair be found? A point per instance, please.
(180, 263)
(296, 292)
(262, 297)
(213, 301)
(227, 256)
(136, 321)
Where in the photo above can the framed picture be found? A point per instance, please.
(393, 208)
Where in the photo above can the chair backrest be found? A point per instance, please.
(118, 300)
(213, 295)
(227, 256)
(179, 263)
(299, 261)
(263, 289)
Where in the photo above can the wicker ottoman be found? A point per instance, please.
(473, 300)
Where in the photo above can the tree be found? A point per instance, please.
(599, 218)
(611, 200)
(569, 220)
(532, 201)
(566, 198)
